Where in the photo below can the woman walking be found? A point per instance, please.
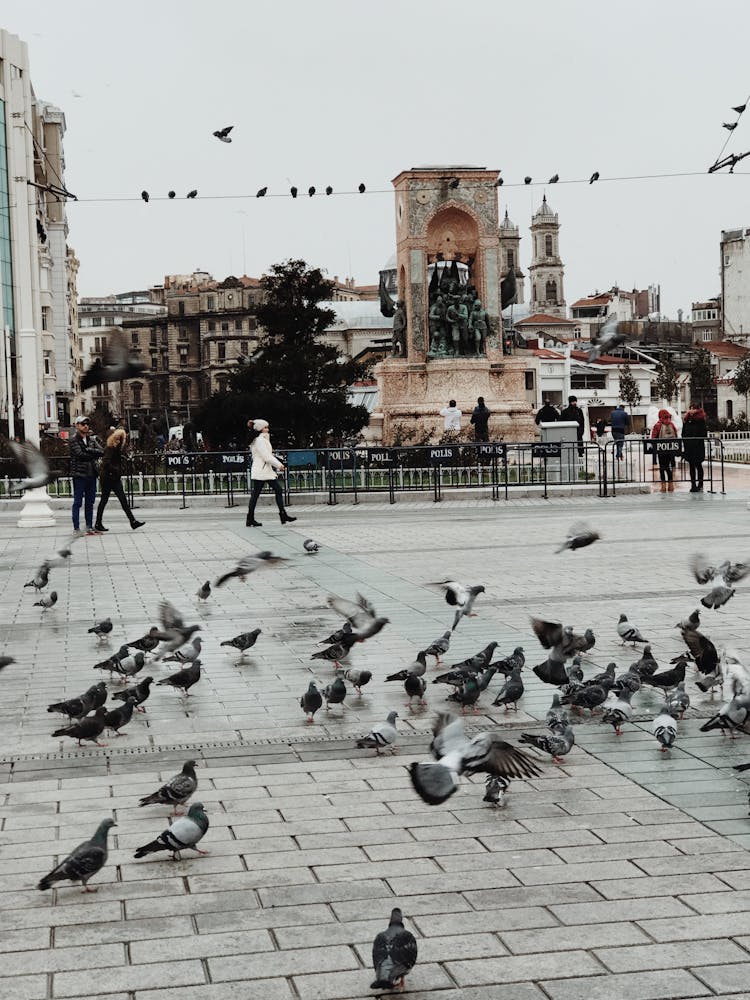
(264, 470)
(111, 474)
(665, 430)
(694, 433)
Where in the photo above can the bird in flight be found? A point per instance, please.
(223, 133)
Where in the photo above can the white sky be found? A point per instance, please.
(339, 91)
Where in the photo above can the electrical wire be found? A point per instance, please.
(39, 149)
(731, 133)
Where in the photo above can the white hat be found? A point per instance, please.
(81, 419)
(259, 425)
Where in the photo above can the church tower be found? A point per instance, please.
(510, 243)
(546, 271)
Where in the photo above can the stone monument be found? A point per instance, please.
(448, 284)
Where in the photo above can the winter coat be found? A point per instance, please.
(113, 455)
(84, 452)
(480, 417)
(547, 414)
(619, 421)
(265, 462)
(573, 413)
(694, 432)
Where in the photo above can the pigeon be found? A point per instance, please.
(483, 681)
(678, 701)
(262, 192)
(184, 834)
(310, 545)
(293, 191)
(35, 464)
(417, 668)
(41, 578)
(554, 179)
(188, 654)
(690, 623)
(192, 194)
(610, 336)
(739, 108)
(527, 179)
(709, 681)
(466, 694)
(557, 744)
(594, 177)
(618, 711)
(455, 754)
(243, 641)
(717, 597)
(664, 729)
(357, 678)
(460, 597)
(184, 679)
(454, 183)
(222, 134)
(311, 701)
(90, 728)
(628, 632)
(361, 188)
(736, 675)
(118, 364)
(415, 687)
(629, 681)
(551, 672)
(647, 665)
(507, 665)
(471, 665)
(83, 862)
(556, 717)
(729, 572)
(101, 629)
(249, 564)
(731, 716)
(174, 633)
(382, 736)
(171, 195)
(496, 788)
(394, 951)
(176, 791)
(334, 693)
(511, 692)
(559, 639)
(606, 677)
(119, 717)
(360, 615)
(204, 591)
(729, 126)
(439, 647)
(145, 195)
(77, 708)
(585, 642)
(148, 642)
(311, 190)
(137, 694)
(338, 635)
(667, 679)
(338, 653)
(47, 602)
(123, 663)
(705, 656)
(329, 190)
(575, 671)
(590, 696)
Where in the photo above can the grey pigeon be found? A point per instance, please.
(248, 565)
(466, 694)
(337, 636)
(667, 678)
(483, 681)
(394, 954)
(717, 597)
(579, 536)
(496, 788)
(471, 666)
(361, 616)
(310, 545)
(556, 717)
(357, 678)
(176, 791)
(417, 668)
(243, 642)
(415, 687)
(664, 729)
(119, 717)
(123, 663)
(647, 665)
(557, 744)
(618, 711)
(461, 597)
(629, 681)
(311, 701)
(575, 670)
(455, 754)
(678, 700)
(628, 632)
(148, 642)
(117, 363)
(590, 696)
(690, 623)
(334, 693)
(439, 647)
(138, 693)
(174, 632)
(188, 654)
(204, 591)
(184, 834)
(112, 663)
(606, 677)
(702, 650)
(47, 602)
(382, 736)
(611, 335)
(101, 629)
(511, 692)
(223, 133)
(507, 665)
(729, 572)
(731, 716)
(41, 578)
(184, 679)
(90, 728)
(84, 862)
(338, 653)
(77, 708)
(36, 465)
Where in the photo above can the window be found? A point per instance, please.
(244, 346)
(46, 319)
(153, 338)
(548, 246)
(211, 326)
(184, 392)
(225, 327)
(134, 338)
(183, 356)
(238, 324)
(252, 323)
(97, 345)
(164, 337)
(222, 347)
(181, 308)
(588, 381)
(96, 321)
(551, 291)
(529, 380)
(706, 334)
(137, 393)
(730, 408)
(182, 333)
(47, 365)
(210, 303)
(510, 259)
(154, 363)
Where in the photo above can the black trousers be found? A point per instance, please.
(113, 484)
(257, 489)
(665, 467)
(696, 471)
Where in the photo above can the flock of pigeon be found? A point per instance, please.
(454, 752)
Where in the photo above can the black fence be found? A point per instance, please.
(346, 473)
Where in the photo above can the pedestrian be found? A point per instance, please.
(665, 430)
(452, 416)
(694, 434)
(620, 422)
(481, 419)
(547, 414)
(85, 451)
(264, 470)
(111, 478)
(572, 413)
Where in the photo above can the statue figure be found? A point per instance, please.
(452, 320)
(437, 326)
(399, 330)
(463, 325)
(479, 327)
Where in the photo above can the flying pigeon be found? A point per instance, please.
(174, 632)
(41, 578)
(579, 536)
(439, 647)
(417, 668)
(184, 679)
(144, 195)
(223, 133)
(311, 701)
(382, 736)
(47, 602)
(729, 572)
(702, 650)
(610, 336)
(243, 642)
(594, 177)
(310, 545)
(664, 729)
(101, 629)
(460, 597)
(394, 954)
(84, 862)
(357, 678)
(248, 565)
(117, 364)
(119, 717)
(361, 616)
(137, 694)
(557, 744)
(628, 632)
(204, 591)
(511, 692)
(496, 788)
(176, 791)
(90, 728)
(739, 108)
(435, 781)
(36, 465)
(184, 834)
(188, 654)
(77, 708)
(729, 126)
(618, 711)
(717, 597)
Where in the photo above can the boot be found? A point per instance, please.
(663, 487)
(250, 521)
(136, 524)
(100, 527)
(670, 487)
(286, 518)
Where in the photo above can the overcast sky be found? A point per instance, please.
(341, 92)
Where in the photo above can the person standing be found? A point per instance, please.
(620, 422)
(85, 450)
(572, 413)
(665, 430)
(264, 470)
(452, 416)
(481, 419)
(111, 476)
(547, 414)
(694, 434)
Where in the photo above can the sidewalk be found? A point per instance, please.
(620, 874)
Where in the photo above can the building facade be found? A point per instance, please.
(547, 293)
(706, 321)
(735, 284)
(510, 251)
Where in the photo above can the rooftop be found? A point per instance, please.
(542, 319)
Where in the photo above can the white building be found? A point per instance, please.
(735, 284)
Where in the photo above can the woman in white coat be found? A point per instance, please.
(264, 470)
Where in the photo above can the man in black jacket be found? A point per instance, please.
(546, 414)
(481, 419)
(572, 413)
(84, 451)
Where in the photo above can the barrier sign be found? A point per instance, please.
(378, 456)
(546, 449)
(654, 446)
(492, 450)
(438, 456)
(234, 460)
(342, 458)
(179, 461)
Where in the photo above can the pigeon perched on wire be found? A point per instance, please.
(117, 364)
(184, 679)
(579, 536)
(382, 736)
(35, 464)
(83, 862)
(41, 578)
(77, 708)
(88, 729)
(461, 598)
(188, 654)
(204, 591)
(101, 629)
(455, 754)
(47, 602)
(183, 835)
(137, 694)
(664, 729)
(717, 597)
(176, 791)
(628, 633)
(357, 678)
(223, 133)
(310, 545)
(361, 615)
(394, 954)
(311, 701)
(556, 744)
(243, 642)
(704, 571)
(611, 335)
(174, 632)
(417, 668)
(248, 565)
(439, 647)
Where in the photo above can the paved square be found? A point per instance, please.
(621, 873)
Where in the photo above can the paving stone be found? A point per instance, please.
(268, 989)
(622, 909)
(723, 978)
(667, 956)
(24, 987)
(657, 886)
(284, 963)
(519, 968)
(133, 978)
(571, 938)
(677, 984)
(335, 985)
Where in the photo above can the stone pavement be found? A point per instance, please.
(621, 874)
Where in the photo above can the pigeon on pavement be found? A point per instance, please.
(36, 465)
(439, 647)
(204, 591)
(357, 678)
(629, 681)
(557, 744)
(417, 668)
(646, 665)
(101, 629)
(628, 632)
(667, 679)
(334, 693)
(618, 711)
(731, 716)
(90, 728)
(83, 862)
(507, 665)
(119, 717)
(579, 536)
(467, 694)
(415, 687)
(382, 736)
(678, 701)
(461, 597)
(394, 954)
(692, 621)
(310, 545)
(47, 602)
(148, 642)
(337, 636)
(249, 564)
(338, 653)
(311, 701)
(243, 642)
(590, 696)
(41, 578)
(138, 693)
(511, 692)
(496, 788)
(77, 708)
(176, 791)
(184, 834)
(473, 665)
(729, 572)
(184, 679)
(188, 654)
(664, 729)
(360, 615)
(717, 597)
(556, 717)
